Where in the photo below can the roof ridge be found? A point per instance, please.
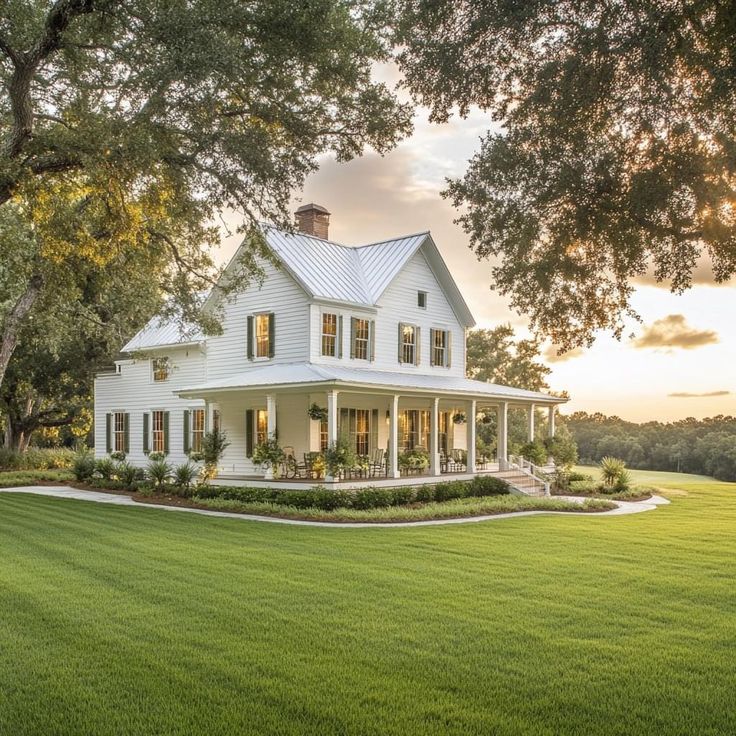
(390, 240)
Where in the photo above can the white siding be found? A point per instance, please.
(134, 391)
(280, 294)
(399, 304)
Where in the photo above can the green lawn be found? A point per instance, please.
(137, 621)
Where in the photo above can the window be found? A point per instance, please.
(440, 351)
(422, 299)
(261, 426)
(355, 427)
(408, 344)
(329, 335)
(159, 431)
(263, 341)
(197, 419)
(161, 369)
(323, 436)
(415, 429)
(118, 444)
(361, 338)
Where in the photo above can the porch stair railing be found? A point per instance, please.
(526, 477)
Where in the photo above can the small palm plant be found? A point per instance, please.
(158, 472)
(185, 475)
(612, 469)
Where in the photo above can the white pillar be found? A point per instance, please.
(472, 411)
(271, 416)
(434, 439)
(551, 421)
(331, 424)
(530, 422)
(503, 438)
(393, 438)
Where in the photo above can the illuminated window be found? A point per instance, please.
(119, 431)
(159, 431)
(161, 369)
(408, 343)
(439, 347)
(323, 436)
(263, 342)
(261, 426)
(197, 429)
(329, 335)
(361, 336)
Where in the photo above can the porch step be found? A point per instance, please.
(522, 482)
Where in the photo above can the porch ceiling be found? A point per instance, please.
(311, 376)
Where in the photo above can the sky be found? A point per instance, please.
(680, 361)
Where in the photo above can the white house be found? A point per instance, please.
(373, 334)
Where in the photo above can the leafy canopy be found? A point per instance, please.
(613, 148)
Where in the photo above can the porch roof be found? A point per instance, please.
(320, 377)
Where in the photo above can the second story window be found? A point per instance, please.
(329, 335)
(261, 336)
(408, 344)
(361, 339)
(161, 369)
(422, 299)
(440, 340)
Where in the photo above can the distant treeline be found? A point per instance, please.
(704, 446)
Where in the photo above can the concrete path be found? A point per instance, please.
(623, 507)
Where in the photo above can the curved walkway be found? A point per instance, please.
(119, 499)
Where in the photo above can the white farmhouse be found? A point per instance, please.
(374, 335)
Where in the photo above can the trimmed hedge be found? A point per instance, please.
(360, 499)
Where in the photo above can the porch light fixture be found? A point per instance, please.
(388, 416)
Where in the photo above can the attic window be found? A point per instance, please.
(161, 369)
(422, 299)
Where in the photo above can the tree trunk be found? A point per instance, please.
(14, 321)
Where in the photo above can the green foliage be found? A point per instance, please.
(35, 458)
(185, 475)
(158, 472)
(415, 459)
(563, 448)
(157, 456)
(105, 468)
(317, 412)
(127, 474)
(10, 459)
(214, 444)
(605, 158)
(84, 466)
(339, 456)
(535, 452)
(488, 485)
(11, 479)
(612, 469)
(268, 453)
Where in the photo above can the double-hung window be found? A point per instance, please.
(408, 344)
(262, 336)
(197, 419)
(329, 335)
(161, 369)
(440, 340)
(361, 339)
(119, 432)
(158, 431)
(261, 426)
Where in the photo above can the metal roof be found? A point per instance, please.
(162, 332)
(305, 374)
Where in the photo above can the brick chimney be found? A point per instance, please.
(312, 219)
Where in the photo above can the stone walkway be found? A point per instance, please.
(623, 507)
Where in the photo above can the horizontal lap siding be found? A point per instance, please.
(134, 392)
(226, 353)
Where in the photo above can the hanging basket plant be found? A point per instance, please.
(459, 417)
(317, 412)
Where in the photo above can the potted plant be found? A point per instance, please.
(459, 417)
(317, 413)
(339, 456)
(414, 460)
(269, 455)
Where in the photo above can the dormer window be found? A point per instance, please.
(161, 369)
(329, 335)
(422, 299)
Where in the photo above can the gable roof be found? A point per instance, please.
(163, 332)
(359, 275)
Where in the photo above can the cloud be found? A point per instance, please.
(673, 331)
(687, 395)
(552, 354)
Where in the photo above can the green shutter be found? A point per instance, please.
(417, 345)
(353, 321)
(448, 349)
(401, 336)
(249, 339)
(166, 433)
(374, 429)
(339, 336)
(108, 432)
(271, 335)
(249, 433)
(372, 340)
(146, 442)
(126, 425)
(186, 432)
(431, 346)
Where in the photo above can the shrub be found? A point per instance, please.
(185, 475)
(105, 468)
(84, 466)
(416, 459)
(119, 456)
(156, 456)
(424, 494)
(10, 459)
(488, 485)
(372, 498)
(573, 476)
(158, 472)
(611, 470)
(214, 444)
(583, 486)
(623, 482)
(126, 473)
(268, 453)
(339, 456)
(535, 452)
(450, 490)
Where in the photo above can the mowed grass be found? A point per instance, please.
(145, 621)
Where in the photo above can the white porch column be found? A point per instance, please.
(271, 416)
(551, 421)
(434, 439)
(331, 424)
(503, 438)
(393, 438)
(471, 418)
(530, 422)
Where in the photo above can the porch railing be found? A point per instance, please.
(534, 472)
